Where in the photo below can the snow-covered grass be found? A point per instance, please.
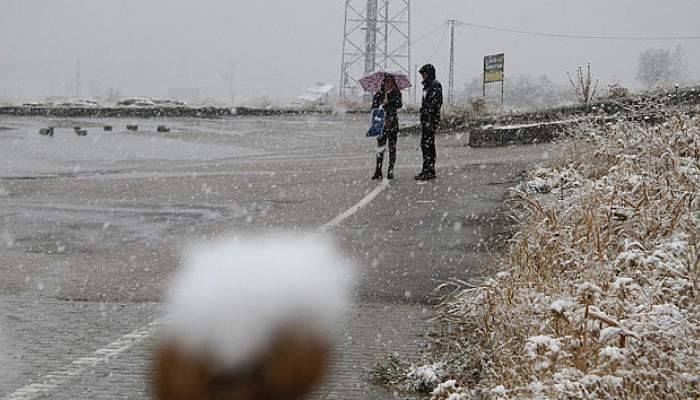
(598, 292)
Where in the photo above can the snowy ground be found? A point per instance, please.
(91, 228)
(596, 297)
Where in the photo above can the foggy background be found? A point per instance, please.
(277, 48)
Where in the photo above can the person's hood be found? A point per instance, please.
(429, 70)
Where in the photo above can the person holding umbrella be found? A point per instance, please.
(387, 87)
(388, 97)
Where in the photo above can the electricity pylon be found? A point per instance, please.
(377, 35)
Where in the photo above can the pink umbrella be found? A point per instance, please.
(373, 82)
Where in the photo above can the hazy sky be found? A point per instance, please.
(280, 47)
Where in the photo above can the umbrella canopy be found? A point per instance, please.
(373, 82)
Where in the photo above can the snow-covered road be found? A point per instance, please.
(102, 220)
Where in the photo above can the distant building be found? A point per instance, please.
(188, 95)
(57, 99)
(317, 94)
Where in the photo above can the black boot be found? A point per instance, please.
(390, 173)
(378, 170)
(425, 176)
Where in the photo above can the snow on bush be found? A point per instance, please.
(545, 180)
(424, 378)
(235, 296)
(598, 297)
(448, 390)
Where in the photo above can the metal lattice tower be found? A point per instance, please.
(377, 36)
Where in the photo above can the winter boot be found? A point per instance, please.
(378, 171)
(425, 176)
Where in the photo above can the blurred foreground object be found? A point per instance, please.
(252, 318)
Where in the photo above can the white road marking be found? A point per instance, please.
(112, 350)
(81, 365)
(357, 207)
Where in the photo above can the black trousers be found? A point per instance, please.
(427, 144)
(390, 137)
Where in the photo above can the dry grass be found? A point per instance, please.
(598, 294)
(585, 90)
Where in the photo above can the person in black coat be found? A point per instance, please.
(430, 119)
(389, 96)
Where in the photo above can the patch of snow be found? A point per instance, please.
(610, 333)
(590, 380)
(530, 125)
(589, 287)
(614, 381)
(612, 353)
(446, 387)
(539, 185)
(503, 275)
(544, 349)
(666, 315)
(622, 282)
(448, 390)
(424, 377)
(536, 387)
(499, 390)
(559, 306)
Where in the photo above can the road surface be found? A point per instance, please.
(92, 228)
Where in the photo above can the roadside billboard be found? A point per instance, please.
(493, 71)
(493, 68)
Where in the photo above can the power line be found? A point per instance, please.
(432, 32)
(576, 36)
(421, 38)
(442, 38)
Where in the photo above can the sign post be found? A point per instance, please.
(493, 72)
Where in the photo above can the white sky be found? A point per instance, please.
(280, 47)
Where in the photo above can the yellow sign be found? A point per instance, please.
(493, 68)
(493, 76)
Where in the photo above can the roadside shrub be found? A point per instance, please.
(598, 292)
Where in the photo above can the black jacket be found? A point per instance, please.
(432, 99)
(394, 104)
